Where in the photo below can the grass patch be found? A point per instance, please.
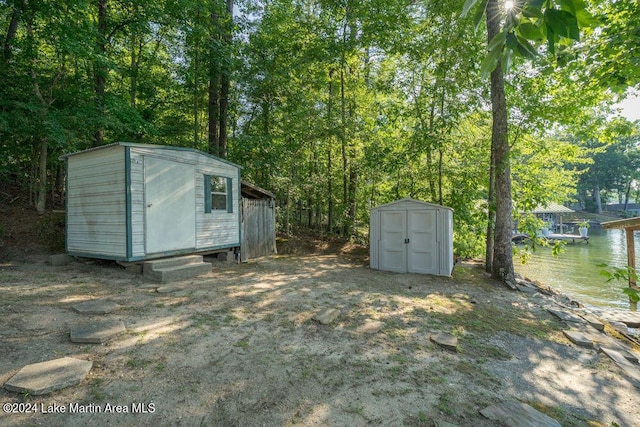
(494, 319)
(566, 419)
(393, 392)
(432, 374)
(478, 374)
(357, 410)
(96, 393)
(137, 363)
(473, 347)
(446, 404)
(422, 417)
(201, 320)
(395, 371)
(243, 343)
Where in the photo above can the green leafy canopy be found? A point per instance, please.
(528, 24)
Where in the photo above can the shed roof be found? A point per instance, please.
(150, 146)
(551, 207)
(255, 192)
(629, 223)
(413, 201)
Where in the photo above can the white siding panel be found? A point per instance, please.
(374, 238)
(212, 229)
(217, 228)
(96, 199)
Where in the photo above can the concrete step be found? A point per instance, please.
(159, 264)
(177, 272)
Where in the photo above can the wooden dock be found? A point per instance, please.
(569, 238)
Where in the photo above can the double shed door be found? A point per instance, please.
(409, 241)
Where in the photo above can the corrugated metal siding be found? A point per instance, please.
(137, 205)
(213, 229)
(96, 203)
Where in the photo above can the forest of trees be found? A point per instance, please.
(333, 105)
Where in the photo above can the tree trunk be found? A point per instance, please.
(100, 71)
(219, 80)
(213, 109)
(133, 90)
(41, 199)
(224, 114)
(43, 144)
(491, 214)
(502, 251)
(225, 83)
(7, 50)
(329, 158)
(443, 94)
(430, 175)
(626, 195)
(353, 207)
(598, 199)
(343, 140)
(214, 86)
(440, 197)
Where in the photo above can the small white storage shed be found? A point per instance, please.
(132, 202)
(410, 236)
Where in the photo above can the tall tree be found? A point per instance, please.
(221, 23)
(100, 69)
(510, 27)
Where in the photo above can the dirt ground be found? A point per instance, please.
(239, 347)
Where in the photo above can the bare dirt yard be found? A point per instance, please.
(239, 347)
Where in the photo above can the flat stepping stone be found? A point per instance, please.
(527, 289)
(593, 321)
(566, 316)
(45, 377)
(327, 316)
(445, 340)
(631, 370)
(629, 318)
(518, 414)
(370, 326)
(620, 327)
(599, 340)
(95, 306)
(97, 332)
(578, 338)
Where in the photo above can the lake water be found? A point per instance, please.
(575, 271)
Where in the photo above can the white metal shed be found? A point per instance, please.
(410, 236)
(132, 202)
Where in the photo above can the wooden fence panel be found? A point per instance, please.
(258, 228)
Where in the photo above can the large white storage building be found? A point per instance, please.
(132, 202)
(410, 236)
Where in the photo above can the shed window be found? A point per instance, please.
(218, 194)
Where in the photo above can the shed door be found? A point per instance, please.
(422, 249)
(170, 200)
(408, 241)
(392, 247)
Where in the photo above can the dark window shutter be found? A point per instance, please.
(229, 195)
(207, 193)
